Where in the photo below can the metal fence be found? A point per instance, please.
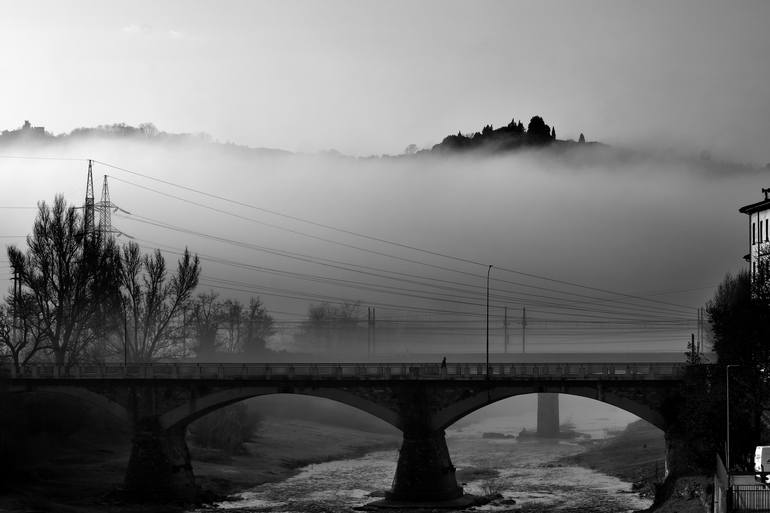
(336, 371)
(748, 498)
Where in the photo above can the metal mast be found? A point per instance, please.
(105, 216)
(88, 207)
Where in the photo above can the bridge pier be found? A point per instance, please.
(548, 415)
(159, 466)
(424, 471)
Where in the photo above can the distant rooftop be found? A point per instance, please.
(756, 207)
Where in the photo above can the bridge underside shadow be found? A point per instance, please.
(421, 410)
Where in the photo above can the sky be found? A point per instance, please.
(369, 77)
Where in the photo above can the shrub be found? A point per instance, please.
(225, 429)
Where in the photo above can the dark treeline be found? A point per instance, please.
(739, 315)
(510, 137)
(79, 297)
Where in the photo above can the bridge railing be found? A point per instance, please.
(341, 371)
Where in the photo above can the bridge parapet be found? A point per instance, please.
(359, 371)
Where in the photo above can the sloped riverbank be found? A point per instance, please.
(635, 455)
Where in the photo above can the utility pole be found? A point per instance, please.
(700, 330)
(727, 415)
(505, 328)
(15, 303)
(523, 329)
(370, 331)
(184, 330)
(489, 270)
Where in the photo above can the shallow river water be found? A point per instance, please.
(524, 472)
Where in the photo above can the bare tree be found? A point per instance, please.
(69, 276)
(259, 327)
(19, 332)
(331, 324)
(151, 300)
(232, 317)
(207, 317)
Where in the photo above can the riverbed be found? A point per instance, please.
(524, 472)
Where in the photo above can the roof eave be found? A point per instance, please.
(754, 207)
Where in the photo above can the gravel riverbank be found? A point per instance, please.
(635, 455)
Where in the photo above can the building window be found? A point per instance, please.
(767, 221)
(753, 233)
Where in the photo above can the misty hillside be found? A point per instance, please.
(490, 141)
(514, 136)
(28, 134)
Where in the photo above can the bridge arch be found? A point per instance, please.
(198, 407)
(454, 412)
(93, 398)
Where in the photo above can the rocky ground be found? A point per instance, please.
(637, 455)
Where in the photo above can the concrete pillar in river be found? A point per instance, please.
(159, 466)
(425, 471)
(548, 415)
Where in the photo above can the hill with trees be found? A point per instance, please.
(513, 136)
(537, 134)
(28, 134)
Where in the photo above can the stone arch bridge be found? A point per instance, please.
(161, 399)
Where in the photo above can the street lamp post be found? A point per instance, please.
(489, 270)
(727, 415)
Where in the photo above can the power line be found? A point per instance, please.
(381, 240)
(469, 300)
(594, 298)
(357, 234)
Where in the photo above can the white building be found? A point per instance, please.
(759, 231)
